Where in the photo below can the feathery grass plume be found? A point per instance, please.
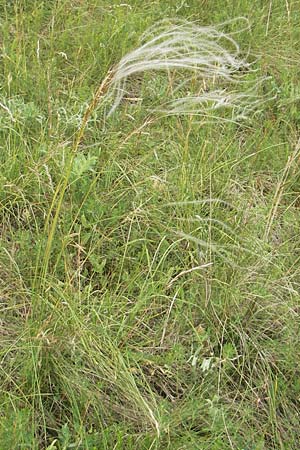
(193, 52)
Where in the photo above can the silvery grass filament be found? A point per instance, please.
(204, 52)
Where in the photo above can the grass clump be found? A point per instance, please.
(149, 275)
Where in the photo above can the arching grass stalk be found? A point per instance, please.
(191, 52)
(62, 186)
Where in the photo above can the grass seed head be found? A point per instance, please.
(191, 52)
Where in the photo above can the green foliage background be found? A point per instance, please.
(116, 343)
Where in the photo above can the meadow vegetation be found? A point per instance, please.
(150, 267)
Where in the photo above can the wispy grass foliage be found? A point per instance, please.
(206, 54)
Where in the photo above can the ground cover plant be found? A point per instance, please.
(149, 234)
